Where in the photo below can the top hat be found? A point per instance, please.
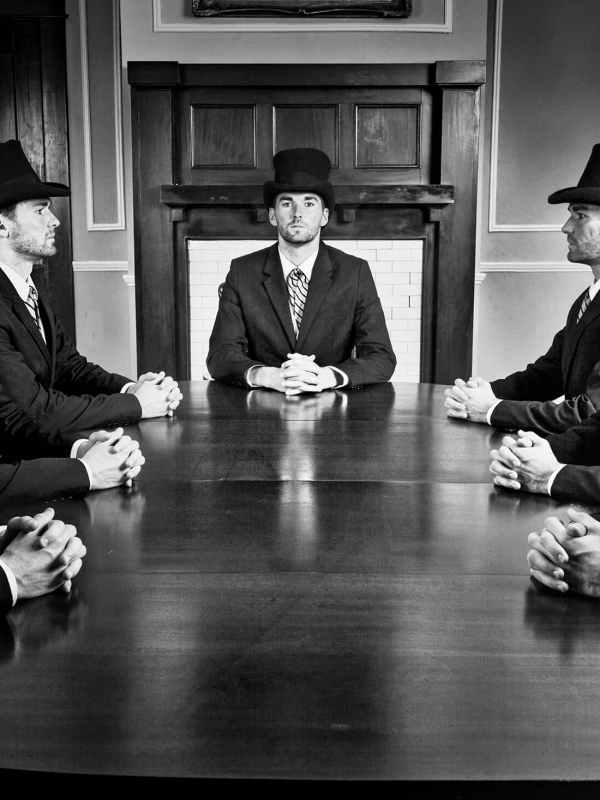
(18, 179)
(303, 169)
(588, 188)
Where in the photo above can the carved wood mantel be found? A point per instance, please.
(203, 140)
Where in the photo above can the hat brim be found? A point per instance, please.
(323, 188)
(19, 190)
(576, 194)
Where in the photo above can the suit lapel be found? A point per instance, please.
(18, 307)
(276, 289)
(318, 287)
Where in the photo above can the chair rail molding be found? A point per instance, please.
(280, 26)
(532, 266)
(92, 223)
(100, 266)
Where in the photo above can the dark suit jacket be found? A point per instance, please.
(342, 311)
(570, 367)
(5, 593)
(50, 391)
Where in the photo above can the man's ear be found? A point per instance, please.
(3, 230)
(325, 217)
(272, 218)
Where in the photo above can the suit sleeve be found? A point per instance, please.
(5, 594)
(374, 360)
(228, 358)
(541, 380)
(43, 478)
(27, 407)
(577, 484)
(578, 445)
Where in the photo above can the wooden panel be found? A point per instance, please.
(60, 285)
(8, 125)
(307, 126)
(28, 91)
(223, 137)
(387, 136)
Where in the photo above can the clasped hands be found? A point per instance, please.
(567, 556)
(525, 463)
(114, 458)
(158, 394)
(299, 374)
(470, 400)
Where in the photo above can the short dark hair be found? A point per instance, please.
(9, 211)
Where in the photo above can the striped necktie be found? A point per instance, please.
(584, 304)
(297, 284)
(34, 309)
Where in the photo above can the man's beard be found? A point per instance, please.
(301, 236)
(25, 245)
(586, 252)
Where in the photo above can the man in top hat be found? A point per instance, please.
(300, 316)
(48, 391)
(571, 367)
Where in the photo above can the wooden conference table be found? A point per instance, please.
(327, 587)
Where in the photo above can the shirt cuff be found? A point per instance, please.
(344, 377)
(489, 412)
(127, 385)
(12, 581)
(552, 477)
(247, 376)
(88, 469)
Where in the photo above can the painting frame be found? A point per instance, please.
(306, 9)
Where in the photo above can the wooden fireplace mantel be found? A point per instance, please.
(203, 140)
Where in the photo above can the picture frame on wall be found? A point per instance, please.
(319, 9)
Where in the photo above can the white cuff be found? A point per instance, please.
(127, 385)
(12, 581)
(247, 376)
(75, 448)
(88, 469)
(488, 416)
(552, 477)
(344, 376)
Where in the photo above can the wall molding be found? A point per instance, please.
(92, 224)
(532, 266)
(100, 266)
(493, 225)
(279, 25)
(130, 281)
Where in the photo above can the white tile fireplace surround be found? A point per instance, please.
(397, 267)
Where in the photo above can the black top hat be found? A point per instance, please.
(588, 188)
(19, 181)
(303, 169)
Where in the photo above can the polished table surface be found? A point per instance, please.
(323, 587)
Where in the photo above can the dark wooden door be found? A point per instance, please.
(33, 109)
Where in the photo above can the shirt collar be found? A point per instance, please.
(594, 289)
(21, 285)
(306, 266)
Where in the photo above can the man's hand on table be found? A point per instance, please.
(114, 458)
(470, 400)
(158, 394)
(299, 374)
(567, 557)
(43, 554)
(526, 463)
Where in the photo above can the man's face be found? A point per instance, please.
(583, 233)
(298, 216)
(31, 229)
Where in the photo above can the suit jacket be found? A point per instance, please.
(570, 367)
(50, 391)
(342, 312)
(5, 593)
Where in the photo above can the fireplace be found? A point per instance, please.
(403, 142)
